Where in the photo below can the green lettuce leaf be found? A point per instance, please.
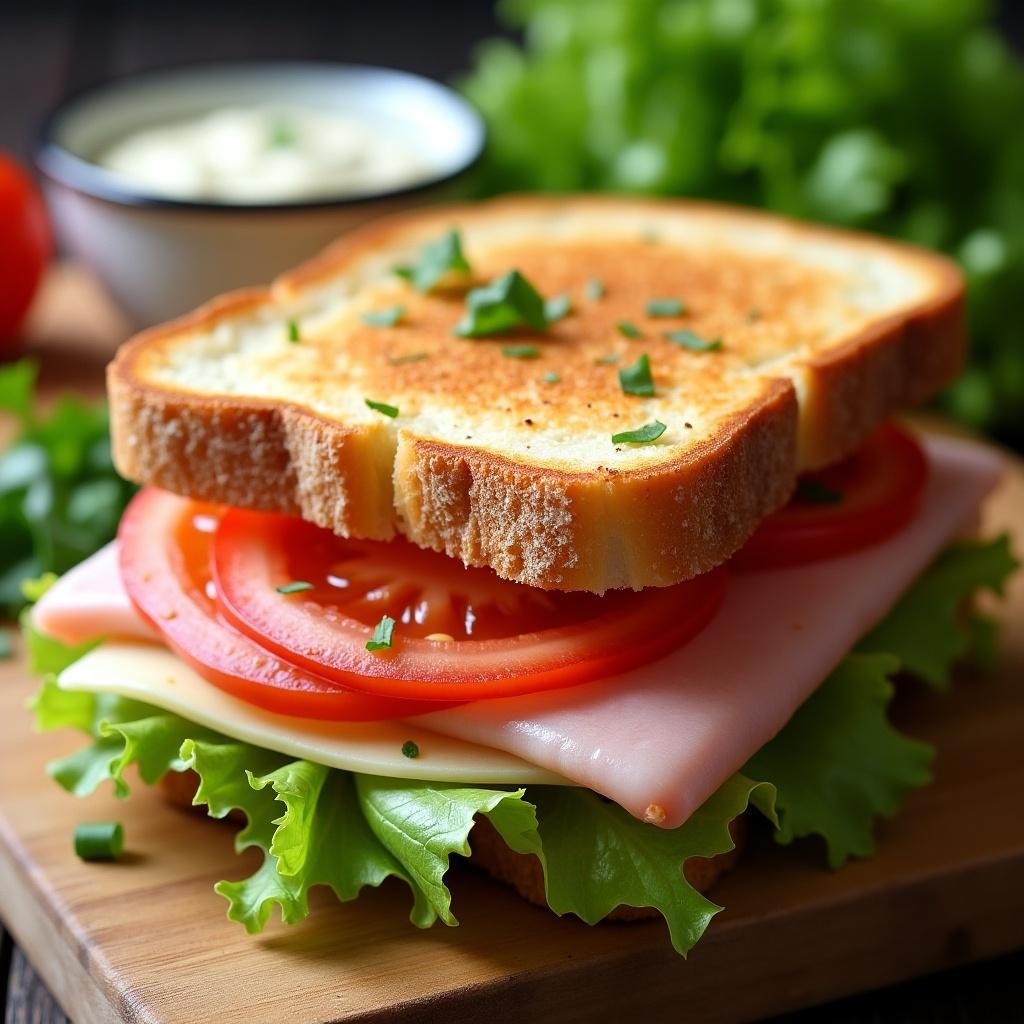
(839, 764)
(423, 823)
(928, 630)
(597, 856)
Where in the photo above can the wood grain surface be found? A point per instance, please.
(146, 939)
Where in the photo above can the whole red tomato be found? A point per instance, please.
(25, 245)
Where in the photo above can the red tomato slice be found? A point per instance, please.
(164, 544)
(491, 638)
(859, 502)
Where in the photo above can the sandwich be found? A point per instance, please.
(572, 535)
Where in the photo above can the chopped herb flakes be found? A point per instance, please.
(383, 408)
(594, 289)
(665, 307)
(520, 351)
(754, 314)
(382, 634)
(508, 301)
(692, 341)
(410, 749)
(636, 379)
(814, 492)
(415, 357)
(612, 357)
(282, 134)
(557, 308)
(384, 317)
(437, 259)
(628, 329)
(293, 332)
(642, 435)
(295, 587)
(551, 377)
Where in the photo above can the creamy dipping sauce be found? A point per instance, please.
(267, 154)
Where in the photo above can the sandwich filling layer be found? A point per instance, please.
(659, 739)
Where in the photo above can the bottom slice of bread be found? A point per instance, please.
(521, 871)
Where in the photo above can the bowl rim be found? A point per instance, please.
(59, 165)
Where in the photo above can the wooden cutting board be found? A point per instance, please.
(146, 939)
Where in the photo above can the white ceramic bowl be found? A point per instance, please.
(161, 257)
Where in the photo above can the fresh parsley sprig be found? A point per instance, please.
(436, 260)
(636, 378)
(508, 301)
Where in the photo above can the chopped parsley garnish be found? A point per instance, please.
(384, 317)
(642, 435)
(381, 407)
(382, 634)
(414, 357)
(557, 307)
(636, 379)
(693, 341)
(628, 329)
(293, 332)
(508, 301)
(551, 377)
(666, 307)
(99, 840)
(814, 492)
(410, 749)
(282, 133)
(520, 351)
(754, 314)
(612, 357)
(594, 289)
(437, 259)
(295, 587)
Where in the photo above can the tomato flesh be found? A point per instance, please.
(460, 633)
(164, 545)
(844, 508)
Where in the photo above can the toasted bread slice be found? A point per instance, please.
(493, 460)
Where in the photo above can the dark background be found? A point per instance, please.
(49, 50)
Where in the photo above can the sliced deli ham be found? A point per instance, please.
(661, 738)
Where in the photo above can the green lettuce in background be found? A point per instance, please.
(60, 496)
(836, 767)
(892, 116)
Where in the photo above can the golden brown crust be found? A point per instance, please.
(522, 872)
(533, 518)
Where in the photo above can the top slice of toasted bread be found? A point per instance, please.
(493, 460)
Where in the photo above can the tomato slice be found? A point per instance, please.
(164, 544)
(852, 505)
(460, 633)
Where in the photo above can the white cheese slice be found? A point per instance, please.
(152, 674)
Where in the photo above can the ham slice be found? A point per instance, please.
(660, 739)
(88, 602)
